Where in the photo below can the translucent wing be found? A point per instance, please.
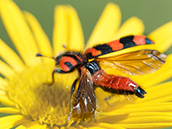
(83, 99)
(135, 63)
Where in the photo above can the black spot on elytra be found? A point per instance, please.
(127, 41)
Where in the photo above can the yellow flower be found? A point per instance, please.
(32, 105)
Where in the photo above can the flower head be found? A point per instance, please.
(31, 104)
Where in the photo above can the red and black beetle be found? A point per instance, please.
(83, 101)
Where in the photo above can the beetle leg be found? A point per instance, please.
(73, 86)
(72, 90)
(56, 71)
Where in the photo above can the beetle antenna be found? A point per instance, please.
(40, 55)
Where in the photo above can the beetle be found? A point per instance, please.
(88, 64)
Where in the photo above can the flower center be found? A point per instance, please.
(40, 102)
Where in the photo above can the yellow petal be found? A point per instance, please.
(20, 127)
(142, 114)
(96, 127)
(76, 38)
(133, 26)
(5, 70)
(142, 107)
(163, 99)
(19, 31)
(2, 92)
(146, 125)
(11, 121)
(157, 92)
(43, 42)
(9, 110)
(32, 125)
(135, 125)
(106, 26)
(100, 125)
(139, 119)
(26, 125)
(60, 32)
(10, 57)
(147, 119)
(67, 30)
(162, 37)
(3, 82)
(5, 101)
(38, 126)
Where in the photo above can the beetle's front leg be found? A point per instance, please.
(56, 71)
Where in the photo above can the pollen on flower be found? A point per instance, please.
(38, 101)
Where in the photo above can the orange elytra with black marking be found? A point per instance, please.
(126, 42)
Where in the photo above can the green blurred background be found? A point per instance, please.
(154, 13)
